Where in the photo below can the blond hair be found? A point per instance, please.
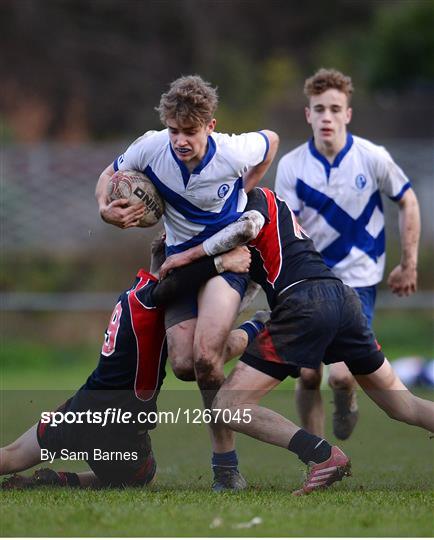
(190, 101)
(326, 79)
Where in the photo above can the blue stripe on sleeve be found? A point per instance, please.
(267, 144)
(401, 193)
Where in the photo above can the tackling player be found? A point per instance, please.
(203, 177)
(334, 184)
(315, 318)
(128, 377)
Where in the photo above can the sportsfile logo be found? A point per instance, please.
(113, 415)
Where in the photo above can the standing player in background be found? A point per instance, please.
(334, 184)
(203, 177)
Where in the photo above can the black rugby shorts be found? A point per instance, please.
(316, 321)
(186, 308)
(97, 442)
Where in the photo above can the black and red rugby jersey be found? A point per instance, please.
(282, 252)
(133, 354)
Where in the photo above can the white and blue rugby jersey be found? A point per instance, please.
(340, 204)
(200, 203)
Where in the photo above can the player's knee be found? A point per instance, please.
(184, 372)
(182, 364)
(180, 355)
(204, 367)
(341, 381)
(310, 379)
(206, 361)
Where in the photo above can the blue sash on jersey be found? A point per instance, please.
(212, 221)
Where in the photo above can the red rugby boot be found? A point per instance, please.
(323, 475)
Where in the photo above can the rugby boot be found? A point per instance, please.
(18, 481)
(48, 477)
(323, 475)
(345, 415)
(228, 479)
(41, 477)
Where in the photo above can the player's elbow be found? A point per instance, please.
(98, 186)
(252, 223)
(409, 201)
(104, 177)
(273, 141)
(250, 232)
(272, 136)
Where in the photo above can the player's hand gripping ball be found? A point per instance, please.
(136, 187)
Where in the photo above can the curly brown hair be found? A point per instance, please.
(325, 79)
(190, 101)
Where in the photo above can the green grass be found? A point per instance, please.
(190, 512)
(390, 493)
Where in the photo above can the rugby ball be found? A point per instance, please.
(136, 187)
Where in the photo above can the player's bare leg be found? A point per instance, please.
(240, 337)
(386, 389)
(346, 411)
(22, 454)
(218, 306)
(235, 344)
(180, 336)
(309, 402)
(182, 362)
(242, 390)
(241, 394)
(25, 453)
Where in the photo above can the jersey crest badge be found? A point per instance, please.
(361, 182)
(222, 190)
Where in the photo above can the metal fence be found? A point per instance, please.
(104, 301)
(48, 204)
(47, 193)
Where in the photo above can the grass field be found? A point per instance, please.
(389, 494)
